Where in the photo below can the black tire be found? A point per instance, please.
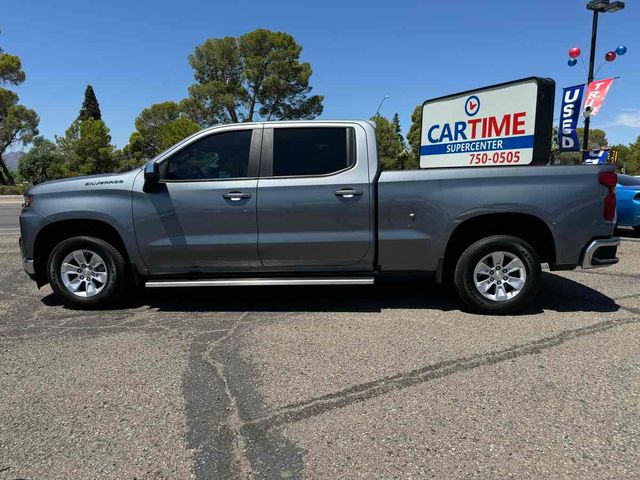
(115, 266)
(464, 274)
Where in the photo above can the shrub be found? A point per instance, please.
(13, 189)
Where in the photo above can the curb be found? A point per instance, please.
(11, 199)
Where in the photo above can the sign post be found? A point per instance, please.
(505, 124)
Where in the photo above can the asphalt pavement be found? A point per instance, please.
(390, 381)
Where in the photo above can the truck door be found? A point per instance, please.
(314, 197)
(204, 215)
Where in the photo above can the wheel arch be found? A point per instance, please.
(55, 232)
(527, 227)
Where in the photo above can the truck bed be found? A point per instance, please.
(420, 210)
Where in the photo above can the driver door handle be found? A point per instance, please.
(235, 196)
(348, 193)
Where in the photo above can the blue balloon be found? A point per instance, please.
(621, 50)
(571, 62)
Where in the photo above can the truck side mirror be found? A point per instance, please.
(151, 177)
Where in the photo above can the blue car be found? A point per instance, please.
(628, 201)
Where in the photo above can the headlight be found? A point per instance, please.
(27, 200)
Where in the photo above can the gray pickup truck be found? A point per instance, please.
(306, 203)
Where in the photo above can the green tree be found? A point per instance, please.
(597, 139)
(413, 137)
(18, 124)
(395, 123)
(158, 127)
(90, 107)
(42, 162)
(258, 75)
(624, 156)
(390, 148)
(632, 158)
(86, 147)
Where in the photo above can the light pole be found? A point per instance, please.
(597, 6)
(380, 106)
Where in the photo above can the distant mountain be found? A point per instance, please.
(11, 159)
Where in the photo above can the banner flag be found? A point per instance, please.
(596, 93)
(595, 157)
(570, 112)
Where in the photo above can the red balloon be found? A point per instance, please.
(574, 52)
(610, 56)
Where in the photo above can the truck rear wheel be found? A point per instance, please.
(498, 274)
(86, 272)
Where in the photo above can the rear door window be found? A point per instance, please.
(312, 151)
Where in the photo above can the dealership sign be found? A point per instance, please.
(506, 124)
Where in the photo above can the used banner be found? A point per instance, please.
(570, 112)
(596, 93)
(595, 157)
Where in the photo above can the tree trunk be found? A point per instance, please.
(5, 176)
(254, 97)
(232, 114)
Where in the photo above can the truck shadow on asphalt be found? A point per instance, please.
(627, 233)
(557, 293)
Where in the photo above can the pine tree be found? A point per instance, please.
(413, 136)
(389, 145)
(90, 107)
(257, 76)
(395, 123)
(87, 149)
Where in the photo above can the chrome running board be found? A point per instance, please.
(252, 282)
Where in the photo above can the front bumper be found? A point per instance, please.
(600, 253)
(27, 263)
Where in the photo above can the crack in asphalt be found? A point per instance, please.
(625, 297)
(615, 274)
(233, 421)
(299, 411)
(223, 445)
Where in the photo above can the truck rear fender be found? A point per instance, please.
(528, 227)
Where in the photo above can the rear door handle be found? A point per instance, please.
(236, 196)
(348, 193)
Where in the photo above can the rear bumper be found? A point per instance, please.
(600, 253)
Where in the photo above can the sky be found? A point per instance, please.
(134, 52)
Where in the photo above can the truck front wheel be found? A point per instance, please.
(498, 274)
(86, 272)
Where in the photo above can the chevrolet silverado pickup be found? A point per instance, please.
(306, 203)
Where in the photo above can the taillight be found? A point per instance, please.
(609, 180)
